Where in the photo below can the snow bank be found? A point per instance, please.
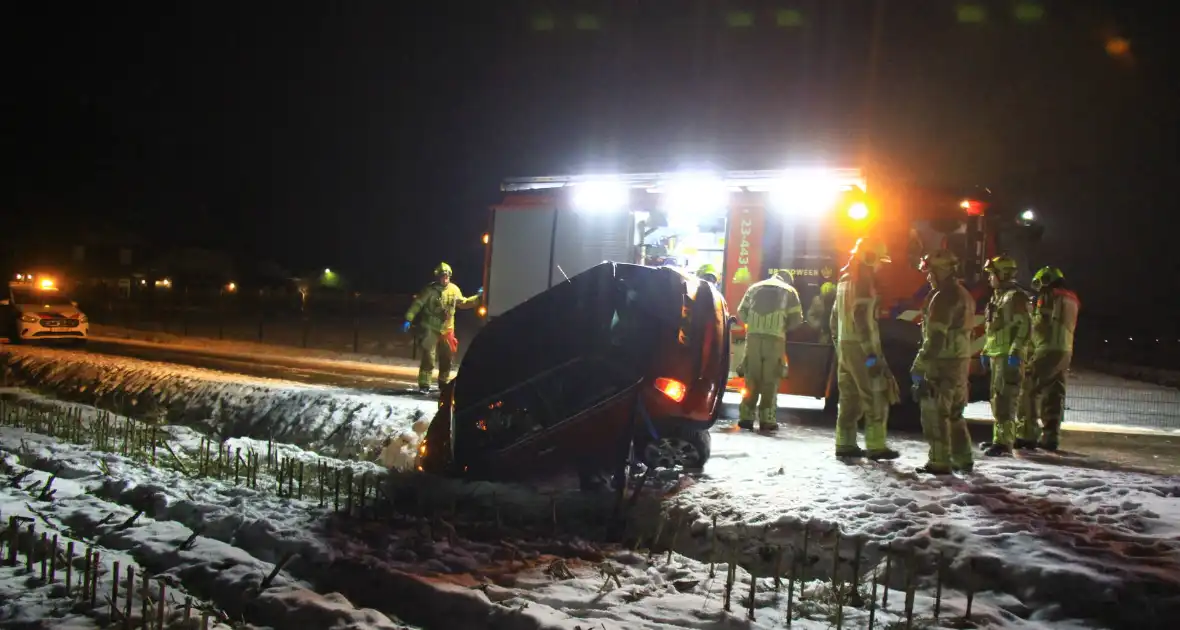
(362, 574)
(1052, 530)
(326, 419)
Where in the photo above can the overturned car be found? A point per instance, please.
(622, 360)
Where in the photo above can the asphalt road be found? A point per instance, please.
(376, 379)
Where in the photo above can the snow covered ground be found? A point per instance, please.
(1050, 529)
(1044, 538)
(215, 542)
(331, 420)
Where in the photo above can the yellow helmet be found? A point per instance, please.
(443, 269)
(1003, 267)
(1046, 277)
(871, 252)
(708, 272)
(939, 260)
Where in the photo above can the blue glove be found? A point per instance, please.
(406, 327)
(871, 361)
(917, 379)
(480, 291)
(1013, 361)
(985, 361)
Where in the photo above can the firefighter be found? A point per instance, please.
(867, 386)
(435, 309)
(708, 273)
(941, 369)
(770, 309)
(1007, 329)
(820, 307)
(1054, 319)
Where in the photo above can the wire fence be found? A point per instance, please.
(339, 322)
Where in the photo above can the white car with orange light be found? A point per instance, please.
(36, 309)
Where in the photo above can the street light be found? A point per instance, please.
(1028, 216)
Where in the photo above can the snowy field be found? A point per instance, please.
(1040, 541)
(330, 420)
(241, 555)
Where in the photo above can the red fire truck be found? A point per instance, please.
(748, 224)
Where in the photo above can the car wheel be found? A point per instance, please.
(689, 450)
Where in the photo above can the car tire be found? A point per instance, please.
(687, 449)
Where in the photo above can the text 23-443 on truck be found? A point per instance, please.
(747, 224)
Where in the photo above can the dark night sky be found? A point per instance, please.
(370, 136)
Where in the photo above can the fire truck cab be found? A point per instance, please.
(748, 224)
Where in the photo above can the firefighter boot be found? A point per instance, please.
(998, 450)
(767, 423)
(850, 451)
(879, 454)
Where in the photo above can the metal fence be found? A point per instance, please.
(340, 322)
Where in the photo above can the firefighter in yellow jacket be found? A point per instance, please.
(1007, 329)
(769, 309)
(943, 364)
(435, 310)
(867, 387)
(1054, 320)
(819, 309)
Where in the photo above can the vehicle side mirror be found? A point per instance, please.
(73, 303)
(4, 302)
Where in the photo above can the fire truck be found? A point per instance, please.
(749, 224)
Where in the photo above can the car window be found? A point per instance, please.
(43, 298)
(537, 405)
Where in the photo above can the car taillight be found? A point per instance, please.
(671, 388)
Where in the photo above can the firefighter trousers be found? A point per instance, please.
(942, 398)
(861, 394)
(434, 347)
(1042, 398)
(763, 367)
(1005, 390)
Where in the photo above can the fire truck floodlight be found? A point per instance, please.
(858, 211)
(695, 195)
(805, 195)
(601, 196)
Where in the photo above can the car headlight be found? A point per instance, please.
(28, 319)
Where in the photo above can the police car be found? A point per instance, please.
(35, 309)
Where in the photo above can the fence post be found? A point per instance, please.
(261, 316)
(356, 322)
(184, 313)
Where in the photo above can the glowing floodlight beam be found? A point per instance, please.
(601, 196)
(858, 211)
(805, 195)
(1028, 216)
(695, 196)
